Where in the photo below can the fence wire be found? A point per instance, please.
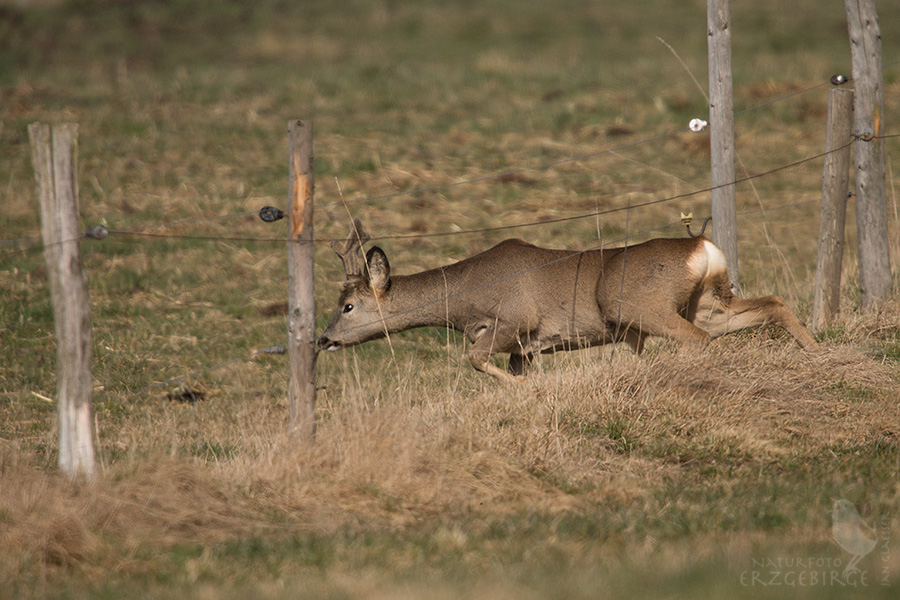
(589, 215)
(144, 231)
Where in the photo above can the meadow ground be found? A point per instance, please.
(706, 474)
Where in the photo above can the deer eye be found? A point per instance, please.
(348, 308)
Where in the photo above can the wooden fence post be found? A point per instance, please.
(721, 134)
(835, 182)
(301, 301)
(868, 153)
(54, 156)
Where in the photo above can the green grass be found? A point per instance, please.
(671, 475)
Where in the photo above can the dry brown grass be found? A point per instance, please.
(593, 431)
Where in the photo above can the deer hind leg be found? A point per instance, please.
(487, 342)
(675, 327)
(723, 313)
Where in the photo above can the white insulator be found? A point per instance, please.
(697, 125)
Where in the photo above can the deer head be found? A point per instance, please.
(365, 288)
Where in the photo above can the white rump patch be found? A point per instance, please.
(707, 260)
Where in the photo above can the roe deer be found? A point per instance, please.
(520, 299)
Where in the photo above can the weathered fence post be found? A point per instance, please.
(868, 154)
(301, 302)
(835, 181)
(721, 134)
(54, 156)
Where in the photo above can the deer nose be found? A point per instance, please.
(324, 343)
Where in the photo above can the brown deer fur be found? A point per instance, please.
(520, 299)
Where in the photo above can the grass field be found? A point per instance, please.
(683, 474)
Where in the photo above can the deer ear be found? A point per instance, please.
(378, 270)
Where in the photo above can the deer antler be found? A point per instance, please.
(349, 249)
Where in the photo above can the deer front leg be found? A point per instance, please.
(489, 341)
(519, 363)
(635, 339)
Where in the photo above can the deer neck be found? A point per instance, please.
(422, 300)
